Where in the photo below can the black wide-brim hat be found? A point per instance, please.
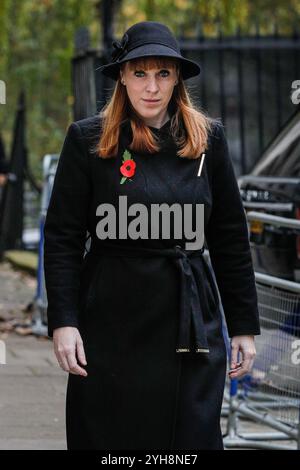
(144, 39)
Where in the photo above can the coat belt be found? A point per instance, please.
(191, 322)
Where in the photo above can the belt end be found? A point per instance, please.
(202, 350)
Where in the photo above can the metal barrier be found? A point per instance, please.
(39, 318)
(270, 394)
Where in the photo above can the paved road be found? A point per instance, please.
(32, 390)
(31, 396)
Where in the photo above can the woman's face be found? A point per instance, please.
(154, 84)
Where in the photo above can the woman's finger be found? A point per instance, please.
(246, 366)
(249, 358)
(234, 355)
(73, 365)
(62, 361)
(80, 352)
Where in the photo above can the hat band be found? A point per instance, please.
(142, 43)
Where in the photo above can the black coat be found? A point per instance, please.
(3, 162)
(135, 308)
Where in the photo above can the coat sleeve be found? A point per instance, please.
(65, 231)
(227, 239)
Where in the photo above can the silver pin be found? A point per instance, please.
(201, 164)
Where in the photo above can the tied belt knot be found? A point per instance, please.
(191, 322)
(191, 314)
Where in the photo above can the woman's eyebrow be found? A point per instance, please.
(158, 70)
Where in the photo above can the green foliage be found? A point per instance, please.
(36, 47)
(230, 13)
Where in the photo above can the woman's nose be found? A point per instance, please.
(152, 85)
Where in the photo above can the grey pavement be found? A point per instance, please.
(32, 390)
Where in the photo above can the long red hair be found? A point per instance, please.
(189, 126)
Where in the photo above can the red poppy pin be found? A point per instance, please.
(128, 167)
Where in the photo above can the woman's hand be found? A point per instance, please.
(245, 345)
(68, 348)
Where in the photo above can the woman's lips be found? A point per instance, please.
(151, 101)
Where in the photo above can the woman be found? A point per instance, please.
(137, 322)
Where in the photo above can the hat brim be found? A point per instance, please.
(189, 68)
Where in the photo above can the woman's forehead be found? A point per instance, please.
(148, 63)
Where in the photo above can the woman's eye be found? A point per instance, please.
(164, 73)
